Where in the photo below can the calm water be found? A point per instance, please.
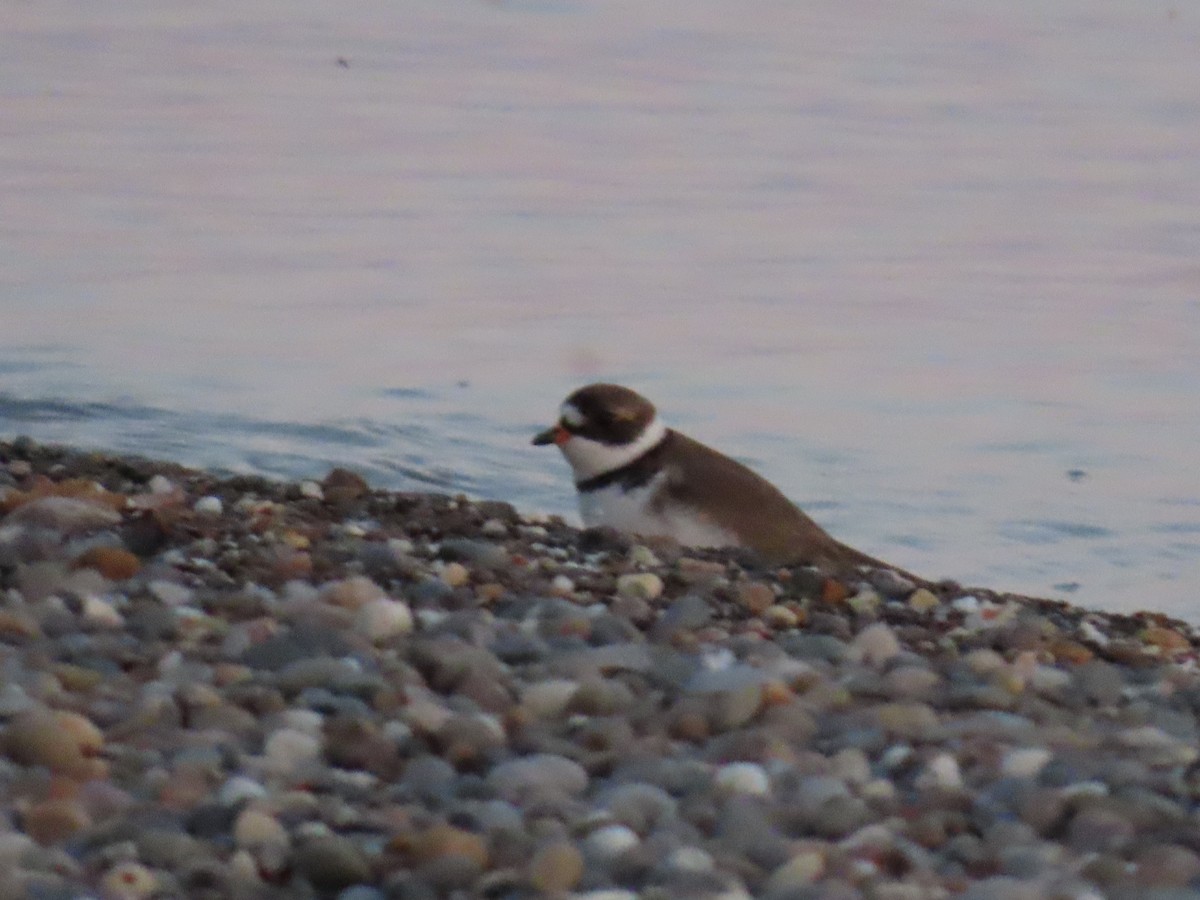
(934, 270)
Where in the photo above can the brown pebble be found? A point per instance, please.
(776, 693)
(53, 821)
(556, 868)
(455, 574)
(834, 592)
(694, 571)
(1168, 641)
(76, 678)
(15, 624)
(755, 596)
(1069, 651)
(445, 840)
(114, 563)
(353, 592)
(343, 486)
(64, 742)
(489, 592)
(289, 565)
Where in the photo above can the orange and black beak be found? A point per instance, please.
(554, 435)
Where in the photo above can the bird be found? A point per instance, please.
(636, 475)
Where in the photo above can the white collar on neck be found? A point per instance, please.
(590, 458)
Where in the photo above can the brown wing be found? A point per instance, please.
(752, 508)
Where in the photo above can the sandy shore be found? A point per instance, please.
(232, 687)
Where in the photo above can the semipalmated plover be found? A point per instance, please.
(636, 475)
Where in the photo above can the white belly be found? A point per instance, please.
(630, 511)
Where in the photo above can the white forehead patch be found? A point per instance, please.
(571, 415)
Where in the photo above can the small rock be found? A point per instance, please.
(382, 619)
(1167, 866)
(548, 699)
(209, 506)
(68, 515)
(876, 645)
(1166, 641)
(923, 600)
(352, 593)
(641, 555)
(161, 484)
(610, 841)
(1024, 762)
(699, 571)
(98, 612)
(168, 593)
(640, 585)
(455, 574)
(257, 828)
(287, 751)
(803, 869)
(556, 867)
(443, 840)
(517, 777)
(913, 721)
(742, 778)
(865, 602)
(755, 597)
(779, 617)
(342, 486)
(332, 862)
(311, 490)
(65, 742)
(51, 822)
(114, 563)
(941, 772)
(128, 881)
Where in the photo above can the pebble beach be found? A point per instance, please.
(222, 686)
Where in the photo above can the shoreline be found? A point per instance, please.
(232, 686)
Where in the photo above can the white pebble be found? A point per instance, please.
(1025, 762)
(311, 490)
(401, 546)
(610, 841)
(865, 601)
(209, 506)
(641, 555)
(383, 618)
(690, 859)
(238, 789)
(1089, 632)
(743, 778)
(161, 484)
(494, 528)
(169, 593)
(287, 751)
(307, 720)
(255, 828)
(941, 772)
(548, 699)
(99, 612)
(640, 585)
(876, 645)
(562, 584)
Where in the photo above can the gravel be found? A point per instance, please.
(232, 687)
